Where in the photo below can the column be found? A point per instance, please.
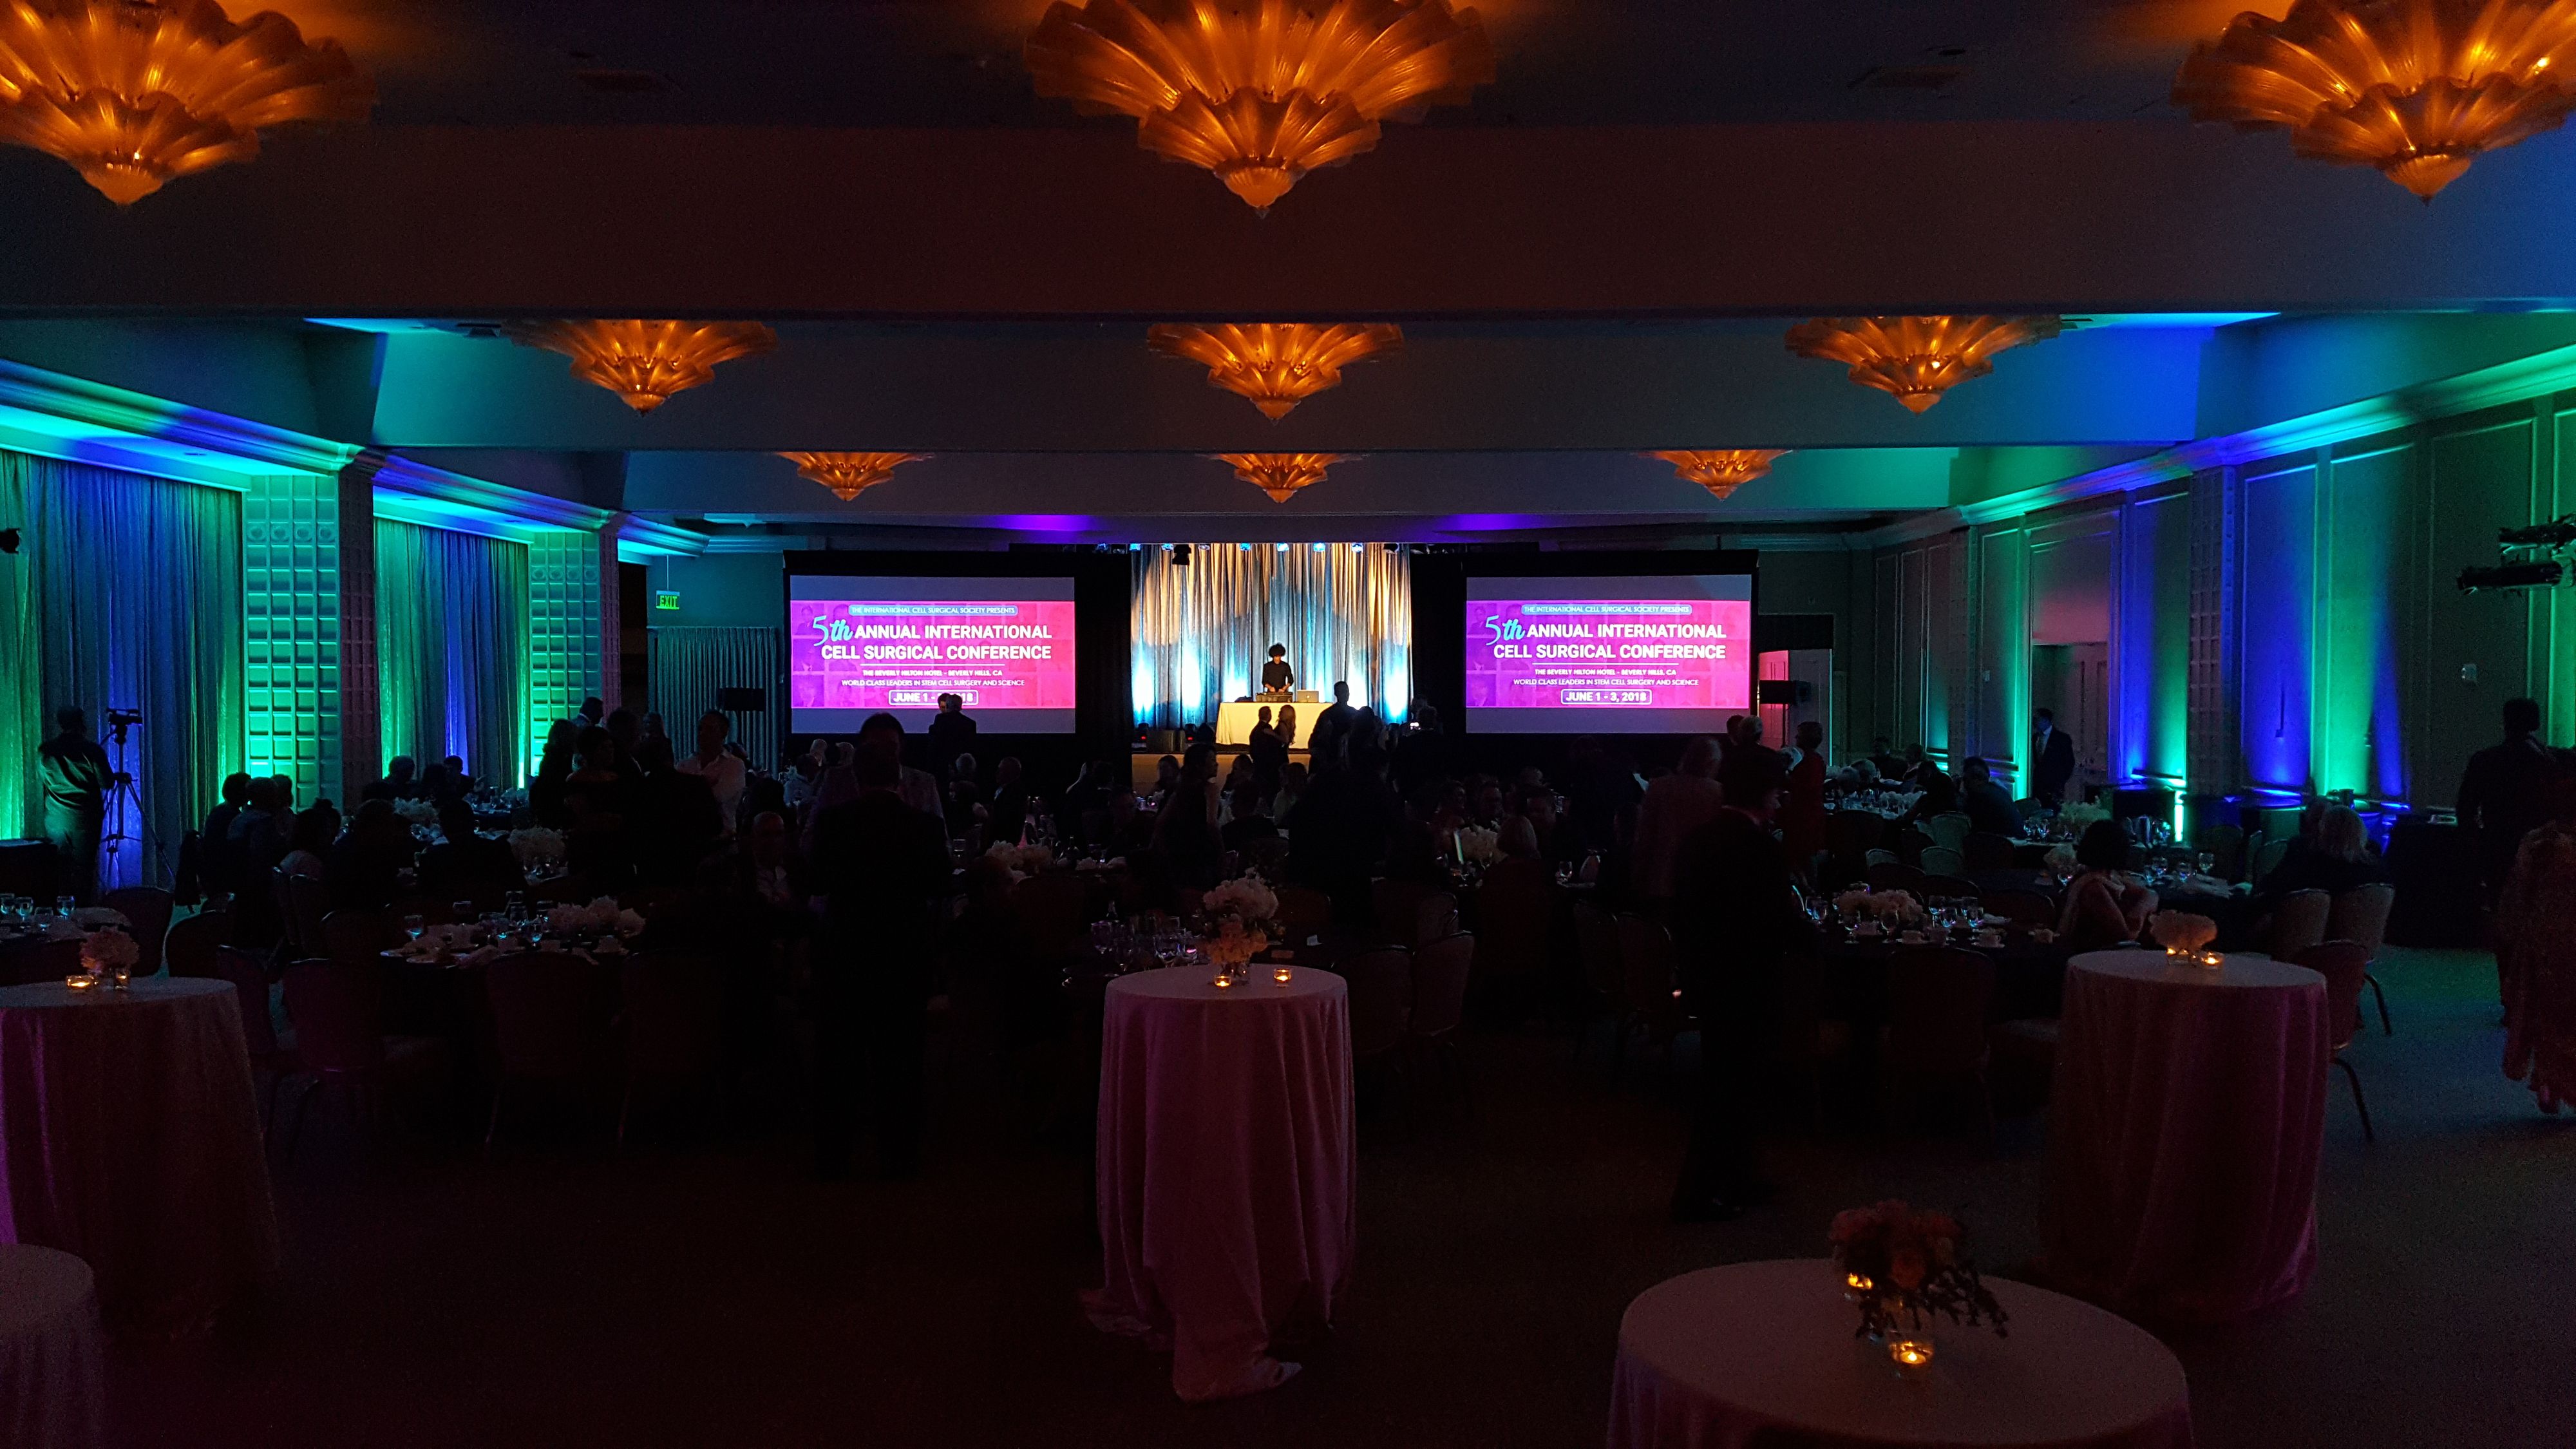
(571, 605)
(309, 631)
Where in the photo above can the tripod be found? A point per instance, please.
(124, 805)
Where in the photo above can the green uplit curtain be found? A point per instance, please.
(452, 648)
(688, 666)
(1202, 630)
(125, 594)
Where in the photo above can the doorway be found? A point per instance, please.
(2073, 681)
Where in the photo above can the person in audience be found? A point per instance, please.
(1086, 801)
(309, 841)
(772, 872)
(598, 803)
(1292, 788)
(592, 714)
(260, 833)
(951, 732)
(2338, 858)
(1940, 793)
(1421, 750)
(961, 802)
(1266, 751)
(1012, 803)
(1802, 822)
(459, 783)
(1287, 726)
(626, 728)
(2103, 908)
(396, 783)
(1737, 927)
(366, 864)
(2504, 792)
(1247, 814)
(881, 867)
(1167, 778)
(2055, 757)
(1675, 806)
(466, 864)
(216, 868)
(1341, 829)
(2536, 954)
(1987, 805)
(1129, 831)
(1534, 831)
(918, 789)
(1326, 741)
(432, 784)
(1188, 851)
(1884, 761)
(1485, 803)
(724, 773)
(554, 767)
(74, 776)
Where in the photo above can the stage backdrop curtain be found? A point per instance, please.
(1202, 630)
(126, 593)
(688, 666)
(452, 648)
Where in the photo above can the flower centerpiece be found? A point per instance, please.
(109, 954)
(1241, 915)
(1022, 861)
(2186, 937)
(538, 849)
(2075, 819)
(416, 812)
(1478, 846)
(1903, 1268)
(2060, 861)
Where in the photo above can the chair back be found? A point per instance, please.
(1267, 854)
(2345, 965)
(1381, 989)
(1051, 907)
(338, 1011)
(190, 948)
(353, 938)
(149, 908)
(1948, 887)
(302, 902)
(2267, 858)
(1896, 877)
(1949, 830)
(1596, 943)
(674, 1013)
(1304, 911)
(2299, 922)
(250, 989)
(1515, 918)
(2226, 845)
(545, 1008)
(1987, 850)
(1876, 858)
(1649, 968)
(1942, 860)
(2022, 908)
(1393, 909)
(2361, 914)
(1937, 1002)
(1440, 985)
(1435, 917)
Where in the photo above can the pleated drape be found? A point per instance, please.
(126, 593)
(452, 648)
(689, 665)
(1203, 629)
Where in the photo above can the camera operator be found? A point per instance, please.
(75, 776)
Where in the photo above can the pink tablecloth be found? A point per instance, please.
(1226, 1172)
(1762, 1356)
(129, 1135)
(2188, 1113)
(53, 1359)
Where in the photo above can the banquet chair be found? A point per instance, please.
(1435, 917)
(190, 948)
(1850, 837)
(338, 1012)
(1440, 972)
(1947, 882)
(1949, 830)
(2298, 922)
(1876, 858)
(2344, 965)
(545, 1019)
(271, 1054)
(353, 938)
(1987, 850)
(1596, 948)
(148, 908)
(1938, 998)
(2361, 915)
(672, 1023)
(301, 903)
(1895, 877)
(2028, 909)
(1649, 987)
(2267, 858)
(1393, 906)
(1304, 911)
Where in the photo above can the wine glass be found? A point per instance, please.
(2208, 863)
(412, 926)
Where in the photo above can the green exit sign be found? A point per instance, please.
(666, 599)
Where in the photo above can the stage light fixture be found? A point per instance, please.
(2543, 575)
(1918, 359)
(2557, 533)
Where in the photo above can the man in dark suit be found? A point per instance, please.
(2505, 792)
(1989, 806)
(2056, 756)
(1737, 925)
(951, 733)
(882, 868)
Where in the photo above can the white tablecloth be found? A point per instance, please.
(1763, 1356)
(1227, 1169)
(53, 1391)
(129, 1135)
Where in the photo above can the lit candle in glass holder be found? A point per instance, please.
(1281, 976)
(1910, 1354)
(1221, 980)
(81, 982)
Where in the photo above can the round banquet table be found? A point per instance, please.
(1226, 1169)
(2187, 1118)
(52, 1355)
(129, 1135)
(1763, 1356)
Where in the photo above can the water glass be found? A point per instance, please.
(2208, 863)
(65, 905)
(412, 927)
(515, 906)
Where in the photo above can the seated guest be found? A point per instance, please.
(1485, 803)
(1292, 788)
(1128, 832)
(1011, 803)
(962, 804)
(1940, 794)
(1534, 831)
(1265, 749)
(1167, 774)
(2338, 858)
(1883, 761)
(216, 868)
(459, 784)
(397, 782)
(1988, 806)
(776, 876)
(366, 866)
(1249, 819)
(1086, 800)
(309, 846)
(260, 833)
(725, 773)
(467, 865)
(432, 785)
(2104, 908)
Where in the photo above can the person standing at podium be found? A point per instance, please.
(1276, 677)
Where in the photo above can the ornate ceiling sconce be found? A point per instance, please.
(645, 361)
(1722, 470)
(1277, 365)
(1281, 475)
(1259, 91)
(849, 474)
(135, 92)
(1917, 359)
(2416, 88)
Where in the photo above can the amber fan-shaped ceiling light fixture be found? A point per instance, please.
(849, 474)
(645, 361)
(1917, 358)
(2417, 88)
(1722, 470)
(1281, 474)
(135, 92)
(1276, 364)
(1259, 91)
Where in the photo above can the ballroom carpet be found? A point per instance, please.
(701, 1291)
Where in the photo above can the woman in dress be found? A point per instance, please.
(2536, 956)
(2104, 908)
